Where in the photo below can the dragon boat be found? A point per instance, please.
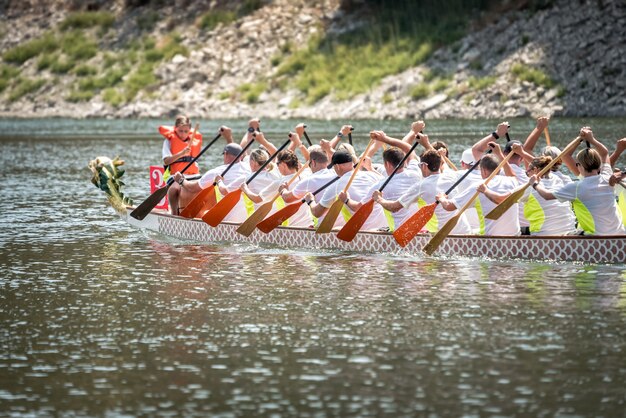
(585, 249)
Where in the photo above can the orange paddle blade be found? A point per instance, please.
(279, 217)
(412, 226)
(222, 208)
(206, 196)
(352, 227)
(331, 216)
(249, 225)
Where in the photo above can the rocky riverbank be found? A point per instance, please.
(579, 46)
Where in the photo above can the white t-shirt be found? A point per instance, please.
(425, 192)
(232, 180)
(472, 181)
(522, 178)
(361, 184)
(397, 186)
(548, 217)
(313, 182)
(263, 181)
(302, 217)
(508, 223)
(594, 203)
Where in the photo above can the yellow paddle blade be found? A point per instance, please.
(249, 225)
(506, 204)
(412, 226)
(217, 213)
(438, 238)
(352, 227)
(331, 216)
(279, 217)
(205, 197)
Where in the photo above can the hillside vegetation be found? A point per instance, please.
(290, 58)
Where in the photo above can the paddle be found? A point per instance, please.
(288, 211)
(515, 196)
(350, 137)
(307, 137)
(333, 212)
(413, 225)
(147, 205)
(445, 230)
(205, 199)
(354, 224)
(450, 163)
(547, 134)
(249, 225)
(217, 213)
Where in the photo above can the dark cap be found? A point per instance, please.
(232, 149)
(509, 145)
(340, 157)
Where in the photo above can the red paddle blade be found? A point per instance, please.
(352, 227)
(222, 208)
(412, 226)
(278, 217)
(198, 202)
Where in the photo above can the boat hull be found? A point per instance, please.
(606, 249)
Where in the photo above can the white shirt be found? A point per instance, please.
(595, 196)
(361, 184)
(313, 182)
(232, 180)
(548, 217)
(397, 186)
(508, 223)
(302, 217)
(473, 180)
(522, 178)
(425, 192)
(262, 181)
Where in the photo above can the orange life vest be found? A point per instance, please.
(177, 145)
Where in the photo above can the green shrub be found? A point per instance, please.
(252, 91)
(419, 91)
(480, 83)
(79, 96)
(62, 65)
(84, 70)
(86, 20)
(113, 97)
(141, 78)
(7, 74)
(440, 84)
(77, 46)
(27, 50)
(23, 86)
(172, 46)
(46, 60)
(532, 75)
(210, 20)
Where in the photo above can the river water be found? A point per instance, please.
(100, 319)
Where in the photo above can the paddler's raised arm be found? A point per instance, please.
(260, 138)
(479, 148)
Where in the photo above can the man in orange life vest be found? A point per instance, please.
(179, 148)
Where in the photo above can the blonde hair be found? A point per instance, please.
(589, 159)
(260, 156)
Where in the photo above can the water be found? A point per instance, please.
(99, 319)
